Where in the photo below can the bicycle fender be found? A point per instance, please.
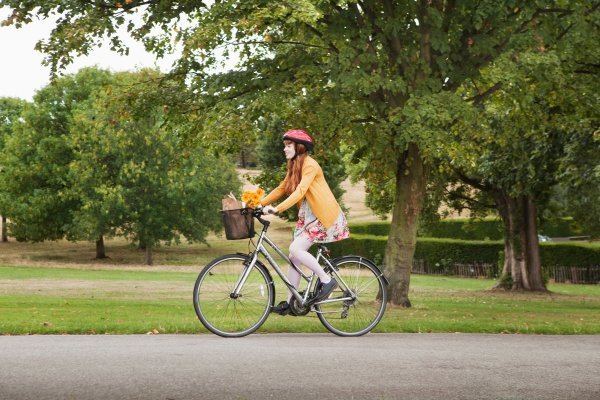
(259, 264)
(364, 259)
(262, 266)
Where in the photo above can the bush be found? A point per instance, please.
(467, 229)
(432, 250)
(563, 227)
(570, 254)
(372, 228)
(449, 251)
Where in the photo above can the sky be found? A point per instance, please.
(21, 69)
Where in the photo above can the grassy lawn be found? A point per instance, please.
(58, 287)
(43, 300)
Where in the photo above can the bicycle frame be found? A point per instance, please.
(310, 279)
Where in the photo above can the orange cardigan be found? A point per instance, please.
(314, 189)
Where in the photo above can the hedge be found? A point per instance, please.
(448, 251)
(466, 229)
(431, 250)
(371, 228)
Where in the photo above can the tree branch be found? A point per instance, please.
(468, 199)
(270, 43)
(480, 98)
(476, 183)
(315, 31)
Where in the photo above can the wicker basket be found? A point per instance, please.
(239, 223)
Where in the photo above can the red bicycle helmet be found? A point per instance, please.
(299, 136)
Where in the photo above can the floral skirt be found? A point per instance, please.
(310, 227)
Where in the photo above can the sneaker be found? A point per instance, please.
(283, 308)
(326, 290)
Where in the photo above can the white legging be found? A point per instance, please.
(300, 256)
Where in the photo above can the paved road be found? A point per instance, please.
(290, 366)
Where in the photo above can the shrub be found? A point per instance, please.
(570, 254)
(372, 228)
(432, 250)
(467, 229)
(449, 251)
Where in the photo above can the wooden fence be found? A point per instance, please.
(470, 270)
(588, 275)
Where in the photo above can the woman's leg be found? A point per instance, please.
(300, 256)
(293, 275)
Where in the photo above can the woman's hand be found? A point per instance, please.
(269, 210)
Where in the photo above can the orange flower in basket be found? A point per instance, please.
(252, 198)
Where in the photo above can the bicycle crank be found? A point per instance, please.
(298, 309)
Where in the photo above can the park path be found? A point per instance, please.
(300, 366)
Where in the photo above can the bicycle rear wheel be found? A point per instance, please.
(227, 315)
(364, 283)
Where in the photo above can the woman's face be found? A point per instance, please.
(289, 148)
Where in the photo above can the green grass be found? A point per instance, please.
(21, 273)
(41, 300)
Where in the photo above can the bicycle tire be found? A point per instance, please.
(224, 315)
(359, 316)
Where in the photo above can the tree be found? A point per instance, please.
(37, 156)
(579, 173)
(10, 113)
(534, 133)
(580, 181)
(132, 175)
(352, 66)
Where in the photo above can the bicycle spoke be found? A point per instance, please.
(215, 307)
(358, 316)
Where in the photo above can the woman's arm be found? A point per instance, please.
(309, 172)
(275, 194)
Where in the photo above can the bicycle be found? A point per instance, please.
(234, 293)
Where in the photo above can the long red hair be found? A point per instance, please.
(294, 168)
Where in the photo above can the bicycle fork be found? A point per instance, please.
(243, 277)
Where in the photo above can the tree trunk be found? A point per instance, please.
(522, 266)
(503, 209)
(408, 203)
(4, 230)
(242, 158)
(100, 249)
(148, 254)
(532, 247)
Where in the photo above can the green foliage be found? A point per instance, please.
(132, 174)
(101, 154)
(10, 113)
(472, 229)
(569, 254)
(343, 70)
(465, 229)
(444, 251)
(538, 114)
(37, 155)
(432, 250)
(580, 181)
(370, 228)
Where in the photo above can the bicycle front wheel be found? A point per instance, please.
(230, 315)
(363, 287)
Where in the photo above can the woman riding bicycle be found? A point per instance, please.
(320, 219)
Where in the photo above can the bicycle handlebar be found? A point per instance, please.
(258, 213)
